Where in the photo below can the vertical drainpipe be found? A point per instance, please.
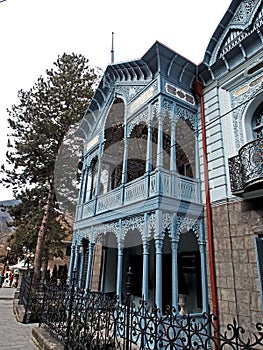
(198, 87)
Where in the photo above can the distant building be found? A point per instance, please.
(172, 176)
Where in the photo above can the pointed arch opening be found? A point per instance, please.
(133, 258)
(92, 179)
(185, 148)
(104, 264)
(112, 159)
(189, 273)
(137, 152)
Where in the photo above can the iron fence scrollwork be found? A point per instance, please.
(84, 320)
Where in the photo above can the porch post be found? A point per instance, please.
(82, 197)
(174, 249)
(76, 256)
(76, 260)
(145, 270)
(97, 189)
(88, 276)
(159, 161)
(158, 257)
(158, 287)
(119, 269)
(145, 274)
(148, 166)
(124, 165)
(173, 148)
(82, 258)
(71, 264)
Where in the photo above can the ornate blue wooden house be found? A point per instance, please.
(172, 161)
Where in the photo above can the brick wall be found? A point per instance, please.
(235, 258)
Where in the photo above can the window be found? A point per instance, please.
(258, 122)
(185, 148)
(92, 179)
(112, 159)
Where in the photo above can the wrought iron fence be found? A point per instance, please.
(84, 320)
(90, 320)
(31, 296)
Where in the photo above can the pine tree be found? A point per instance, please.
(39, 124)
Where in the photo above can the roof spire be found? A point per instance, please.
(112, 48)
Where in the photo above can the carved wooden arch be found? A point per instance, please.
(186, 223)
(100, 231)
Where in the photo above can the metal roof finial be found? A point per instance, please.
(112, 48)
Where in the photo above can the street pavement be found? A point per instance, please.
(13, 335)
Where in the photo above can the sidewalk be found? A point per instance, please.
(13, 335)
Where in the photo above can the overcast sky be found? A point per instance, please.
(33, 34)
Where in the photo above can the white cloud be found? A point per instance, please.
(34, 33)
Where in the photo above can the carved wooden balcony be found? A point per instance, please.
(246, 169)
(158, 183)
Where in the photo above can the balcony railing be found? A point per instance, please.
(157, 183)
(246, 169)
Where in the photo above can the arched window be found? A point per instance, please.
(185, 148)
(257, 122)
(112, 159)
(92, 179)
(137, 152)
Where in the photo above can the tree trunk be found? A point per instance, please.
(43, 230)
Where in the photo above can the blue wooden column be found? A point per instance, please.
(159, 161)
(174, 249)
(119, 262)
(145, 273)
(82, 259)
(158, 258)
(173, 148)
(71, 264)
(82, 195)
(76, 258)
(148, 166)
(119, 269)
(88, 276)
(145, 270)
(124, 165)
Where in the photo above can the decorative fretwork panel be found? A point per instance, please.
(109, 201)
(88, 209)
(135, 190)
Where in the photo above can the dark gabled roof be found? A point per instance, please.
(162, 60)
(217, 36)
(237, 38)
(158, 60)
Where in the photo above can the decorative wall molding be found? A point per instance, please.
(239, 104)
